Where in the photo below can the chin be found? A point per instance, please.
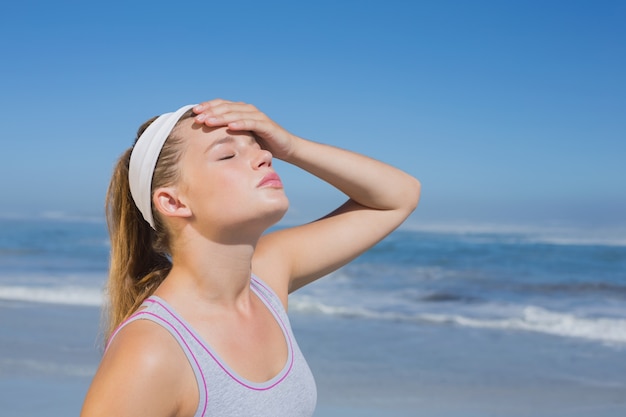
(279, 212)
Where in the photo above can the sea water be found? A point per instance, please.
(568, 288)
(448, 322)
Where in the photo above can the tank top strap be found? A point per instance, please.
(269, 296)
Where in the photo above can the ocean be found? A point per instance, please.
(439, 322)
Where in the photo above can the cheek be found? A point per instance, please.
(225, 183)
(215, 189)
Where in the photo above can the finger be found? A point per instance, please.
(207, 112)
(224, 113)
(218, 118)
(260, 126)
(200, 107)
(225, 107)
(219, 106)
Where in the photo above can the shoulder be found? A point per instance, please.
(144, 345)
(144, 369)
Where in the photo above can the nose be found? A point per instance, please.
(263, 159)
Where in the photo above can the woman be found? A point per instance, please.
(198, 293)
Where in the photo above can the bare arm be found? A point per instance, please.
(380, 199)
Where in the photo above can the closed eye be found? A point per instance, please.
(227, 157)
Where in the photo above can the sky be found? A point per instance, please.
(509, 112)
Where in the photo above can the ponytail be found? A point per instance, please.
(136, 269)
(139, 258)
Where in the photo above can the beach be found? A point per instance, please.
(389, 335)
(421, 371)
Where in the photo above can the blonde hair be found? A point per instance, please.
(139, 258)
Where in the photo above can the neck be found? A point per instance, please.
(209, 271)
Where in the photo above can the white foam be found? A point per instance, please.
(68, 295)
(531, 318)
(555, 235)
(537, 319)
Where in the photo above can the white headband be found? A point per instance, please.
(144, 157)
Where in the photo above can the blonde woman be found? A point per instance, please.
(198, 292)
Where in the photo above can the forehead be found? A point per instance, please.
(203, 135)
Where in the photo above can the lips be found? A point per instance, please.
(271, 180)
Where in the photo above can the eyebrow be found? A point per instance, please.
(226, 139)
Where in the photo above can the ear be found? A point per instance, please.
(168, 202)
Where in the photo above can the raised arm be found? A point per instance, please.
(380, 197)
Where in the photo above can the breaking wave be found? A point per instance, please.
(70, 295)
(531, 318)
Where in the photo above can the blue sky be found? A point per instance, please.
(509, 112)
